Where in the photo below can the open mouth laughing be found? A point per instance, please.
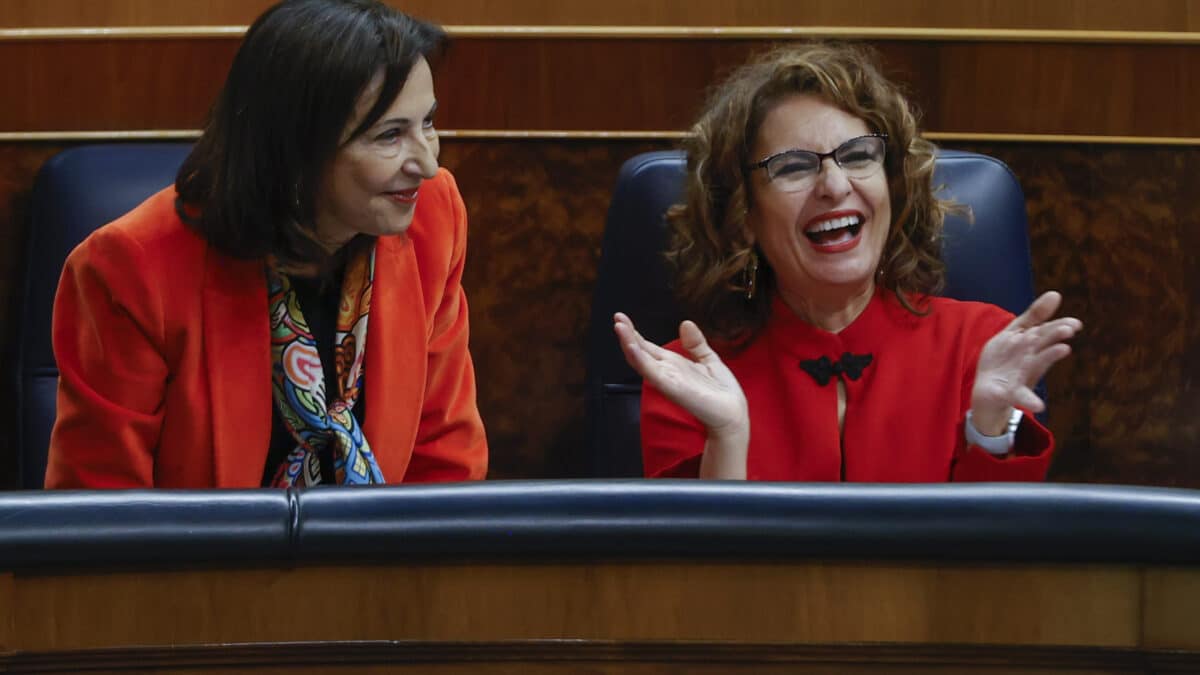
(835, 232)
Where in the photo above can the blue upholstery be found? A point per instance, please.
(97, 528)
(76, 192)
(553, 520)
(986, 260)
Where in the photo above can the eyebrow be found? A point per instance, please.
(404, 120)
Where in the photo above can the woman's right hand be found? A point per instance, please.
(701, 385)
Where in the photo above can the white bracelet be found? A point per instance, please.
(995, 445)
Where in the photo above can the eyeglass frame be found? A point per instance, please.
(821, 156)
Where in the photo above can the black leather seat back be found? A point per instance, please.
(76, 192)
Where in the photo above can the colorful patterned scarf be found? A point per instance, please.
(298, 380)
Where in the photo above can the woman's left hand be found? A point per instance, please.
(1013, 361)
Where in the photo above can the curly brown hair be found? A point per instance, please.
(710, 245)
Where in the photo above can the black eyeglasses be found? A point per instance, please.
(796, 170)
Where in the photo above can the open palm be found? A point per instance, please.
(1013, 361)
(701, 384)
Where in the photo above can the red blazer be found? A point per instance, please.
(163, 351)
(904, 414)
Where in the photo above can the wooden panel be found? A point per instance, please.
(629, 85)
(105, 85)
(1172, 596)
(7, 619)
(1060, 89)
(1148, 15)
(805, 603)
(1116, 230)
(536, 217)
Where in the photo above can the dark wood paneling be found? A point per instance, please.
(1147, 15)
(111, 84)
(628, 84)
(536, 217)
(1115, 228)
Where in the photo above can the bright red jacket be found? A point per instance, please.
(163, 350)
(904, 414)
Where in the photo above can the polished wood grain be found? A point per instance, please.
(109, 85)
(8, 620)
(736, 602)
(1171, 597)
(599, 616)
(607, 84)
(537, 214)
(1150, 15)
(1116, 230)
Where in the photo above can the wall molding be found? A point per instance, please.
(73, 136)
(659, 32)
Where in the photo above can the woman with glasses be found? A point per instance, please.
(290, 312)
(808, 252)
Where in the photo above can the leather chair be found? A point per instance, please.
(75, 192)
(987, 260)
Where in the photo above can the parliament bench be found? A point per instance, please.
(604, 576)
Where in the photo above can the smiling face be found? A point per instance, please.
(824, 242)
(371, 186)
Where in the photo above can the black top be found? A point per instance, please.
(319, 299)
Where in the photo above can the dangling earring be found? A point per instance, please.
(750, 275)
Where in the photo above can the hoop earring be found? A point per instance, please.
(750, 275)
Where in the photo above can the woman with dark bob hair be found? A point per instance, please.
(217, 335)
(808, 248)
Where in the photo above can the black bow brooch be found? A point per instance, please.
(823, 369)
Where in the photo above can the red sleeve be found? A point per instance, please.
(1028, 461)
(108, 336)
(450, 445)
(672, 438)
(1033, 448)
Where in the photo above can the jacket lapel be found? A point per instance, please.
(396, 361)
(237, 352)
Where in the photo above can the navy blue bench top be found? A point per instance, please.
(549, 520)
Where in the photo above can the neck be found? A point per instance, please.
(830, 311)
(330, 266)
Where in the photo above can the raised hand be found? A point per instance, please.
(702, 384)
(1013, 361)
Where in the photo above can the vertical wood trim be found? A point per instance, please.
(1171, 608)
(7, 612)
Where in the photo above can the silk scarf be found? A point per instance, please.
(318, 419)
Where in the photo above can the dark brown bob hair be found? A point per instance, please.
(709, 246)
(249, 184)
